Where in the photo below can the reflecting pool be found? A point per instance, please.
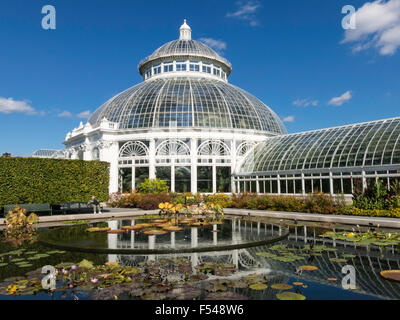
(268, 271)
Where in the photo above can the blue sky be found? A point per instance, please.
(293, 55)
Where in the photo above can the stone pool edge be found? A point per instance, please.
(312, 217)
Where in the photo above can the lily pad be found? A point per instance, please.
(225, 296)
(258, 286)
(281, 286)
(155, 232)
(290, 296)
(338, 260)
(86, 264)
(308, 268)
(393, 275)
(173, 229)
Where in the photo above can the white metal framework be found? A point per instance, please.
(188, 126)
(334, 160)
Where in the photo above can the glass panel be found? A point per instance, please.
(274, 186)
(308, 186)
(141, 174)
(316, 185)
(261, 184)
(164, 173)
(337, 186)
(224, 179)
(325, 186)
(253, 186)
(298, 188)
(125, 176)
(283, 186)
(347, 186)
(182, 179)
(204, 180)
(290, 186)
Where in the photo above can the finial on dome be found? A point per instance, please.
(185, 32)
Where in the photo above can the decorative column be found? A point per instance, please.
(303, 184)
(110, 154)
(233, 165)
(87, 151)
(279, 183)
(152, 159)
(193, 159)
(74, 154)
(214, 175)
(331, 183)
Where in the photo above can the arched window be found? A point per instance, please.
(133, 149)
(214, 148)
(245, 147)
(173, 148)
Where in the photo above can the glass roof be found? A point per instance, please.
(360, 145)
(191, 48)
(188, 102)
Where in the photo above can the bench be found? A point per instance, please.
(35, 208)
(73, 207)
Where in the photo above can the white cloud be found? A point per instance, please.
(218, 45)
(378, 26)
(65, 114)
(338, 101)
(84, 115)
(246, 11)
(305, 103)
(288, 119)
(10, 105)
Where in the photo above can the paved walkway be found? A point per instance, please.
(362, 221)
(110, 213)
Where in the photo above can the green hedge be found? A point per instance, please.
(33, 180)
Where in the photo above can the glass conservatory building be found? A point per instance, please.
(184, 123)
(335, 160)
(187, 125)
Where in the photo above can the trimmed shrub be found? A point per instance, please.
(33, 180)
(154, 186)
(146, 201)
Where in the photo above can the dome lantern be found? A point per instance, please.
(185, 32)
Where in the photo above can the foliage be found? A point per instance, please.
(212, 212)
(312, 203)
(220, 199)
(33, 180)
(369, 237)
(137, 200)
(390, 213)
(155, 186)
(186, 198)
(378, 196)
(19, 226)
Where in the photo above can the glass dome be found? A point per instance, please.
(184, 102)
(191, 48)
(185, 47)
